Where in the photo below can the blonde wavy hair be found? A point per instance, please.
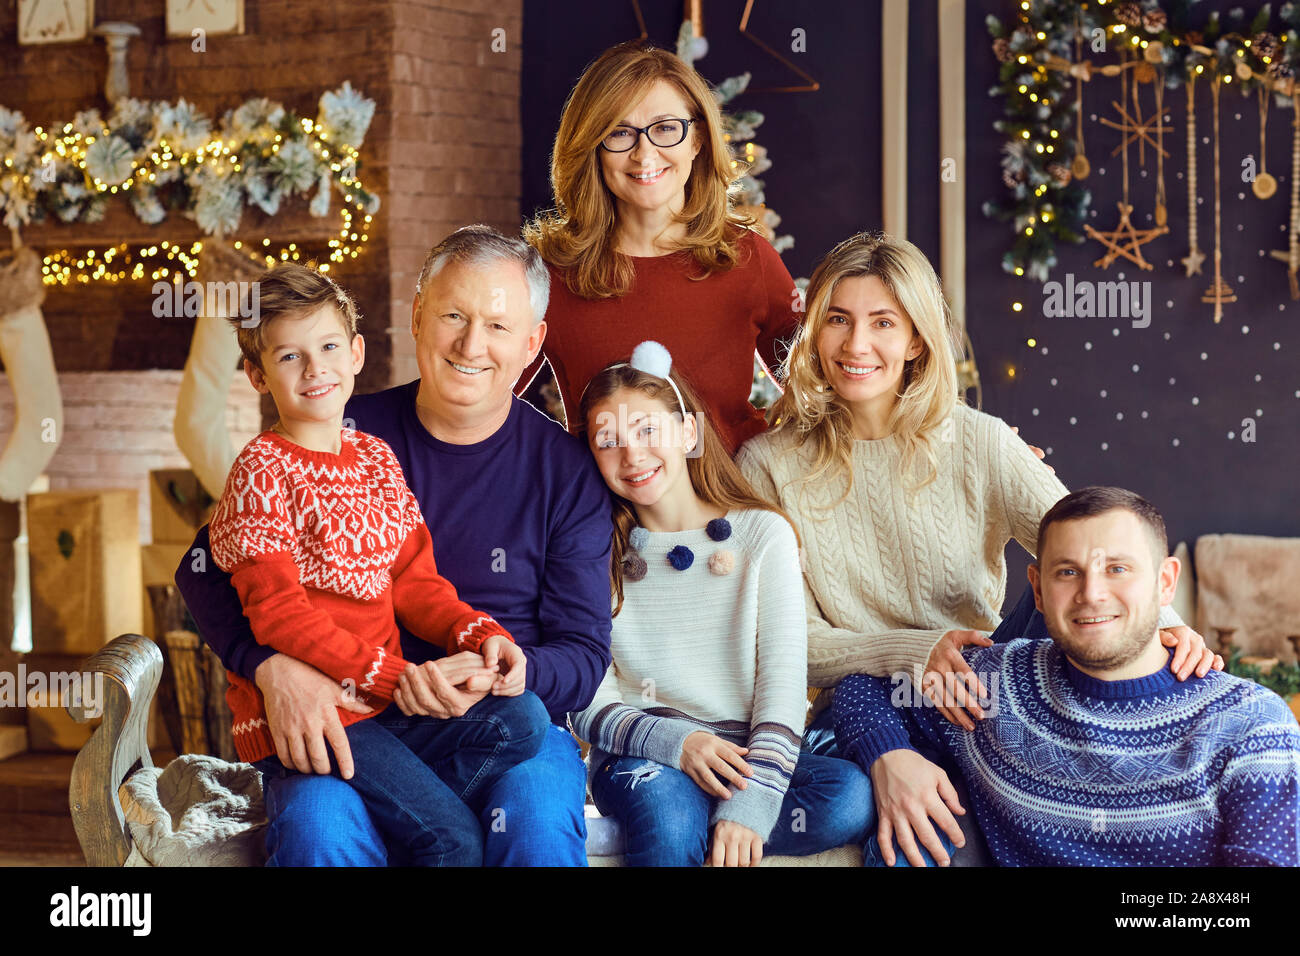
(577, 237)
(928, 392)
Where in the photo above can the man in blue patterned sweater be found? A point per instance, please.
(1091, 753)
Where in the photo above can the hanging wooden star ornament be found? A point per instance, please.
(1124, 241)
(1137, 129)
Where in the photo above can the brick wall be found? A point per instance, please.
(117, 427)
(455, 138)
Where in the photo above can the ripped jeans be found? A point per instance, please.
(665, 815)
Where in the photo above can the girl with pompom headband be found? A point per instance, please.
(697, 726)
(713, 475)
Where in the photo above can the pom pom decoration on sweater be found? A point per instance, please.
(722, 562)
(638, 539)
(719, 529)
(634, 567)
(681, 557)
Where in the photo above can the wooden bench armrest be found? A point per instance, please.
(130, 665)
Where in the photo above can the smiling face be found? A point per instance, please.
(640, 447)
(864, 344)
(474, 334)
(649, 177)
(308, 366)
(1100, 588)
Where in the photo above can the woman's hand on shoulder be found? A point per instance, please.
(949, 681)
(1190, 654)
(706, 757)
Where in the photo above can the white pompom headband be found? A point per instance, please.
(650, 358)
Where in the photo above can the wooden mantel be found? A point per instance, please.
(120, 224)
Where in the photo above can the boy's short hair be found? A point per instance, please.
(1098, 499)
(290, 289)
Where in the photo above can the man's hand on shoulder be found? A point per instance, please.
(302, 714)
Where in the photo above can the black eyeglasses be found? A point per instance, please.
(664, 133)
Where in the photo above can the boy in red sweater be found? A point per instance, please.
(325, 544)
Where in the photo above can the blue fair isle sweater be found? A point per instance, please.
(520, 524)
(1069, 770)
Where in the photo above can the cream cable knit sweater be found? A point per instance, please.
(884, 577)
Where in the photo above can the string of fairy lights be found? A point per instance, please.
(1045, 70)
(168, 259)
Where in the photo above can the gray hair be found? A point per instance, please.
(481, 245)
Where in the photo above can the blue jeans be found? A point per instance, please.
(1025, 620)
(531, 815)
(819, 738)
(414, 776)
(665, 814)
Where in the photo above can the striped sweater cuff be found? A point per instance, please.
(1169, 618)
(773, 753)
(473, 629)
(629, 732)
(380, 679)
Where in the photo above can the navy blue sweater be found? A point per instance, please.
(520, 524)
(1071, 770)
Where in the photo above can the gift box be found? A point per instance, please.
(178, 505)
(85, 569)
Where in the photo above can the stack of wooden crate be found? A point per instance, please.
(84, 551)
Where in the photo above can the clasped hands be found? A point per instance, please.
(302, 704)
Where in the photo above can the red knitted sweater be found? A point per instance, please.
(710, 326)
(324, 550)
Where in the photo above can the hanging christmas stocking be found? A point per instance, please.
(200, 425)
(29, 363)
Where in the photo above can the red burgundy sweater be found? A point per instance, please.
(710, 326)
(324, 550)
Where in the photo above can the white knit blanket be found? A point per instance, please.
(199, 811)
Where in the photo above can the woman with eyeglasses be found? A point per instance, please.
(643, 242)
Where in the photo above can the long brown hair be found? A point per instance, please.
(577, 237)
(714, 476)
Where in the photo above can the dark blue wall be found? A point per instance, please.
(825, 183)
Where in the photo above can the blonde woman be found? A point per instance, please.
(905, 499)
(643, 243)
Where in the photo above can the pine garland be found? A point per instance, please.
(161, 157)
(1045, 203)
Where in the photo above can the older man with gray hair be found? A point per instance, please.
(521, 526)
